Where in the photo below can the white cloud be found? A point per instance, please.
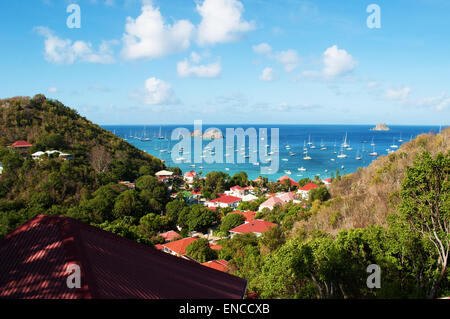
(186, 69)
(372, 84)
(156, 92)
(402, 96)
(443, 105)
(148, 36)
(398, 95)
(52, 90)
(195, 57)
(288, 58)
(262, 48)
(337, 62)
(221, 22)
(64, 51)
(267, 75)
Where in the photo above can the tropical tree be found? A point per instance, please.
(425, 204)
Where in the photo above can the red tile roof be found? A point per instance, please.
(170, 235)
(272, 201)
(283, 178)
(226, 199)
(255, 226)
(308, 187)
(248, 215)
(179, 246)
(220, 264)
(237, 188)
(34, 260)
(216, 247)
(21, 144)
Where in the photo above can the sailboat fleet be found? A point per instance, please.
(339, 151)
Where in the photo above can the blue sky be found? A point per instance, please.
(230, 61)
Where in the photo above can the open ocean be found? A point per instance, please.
(291, 139)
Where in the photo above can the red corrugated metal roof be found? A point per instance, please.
(36, 255)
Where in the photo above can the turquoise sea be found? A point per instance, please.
(325, 144)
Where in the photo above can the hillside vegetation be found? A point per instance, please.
(369, 195)
(52, 185)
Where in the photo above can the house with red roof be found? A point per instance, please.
(285, 177)
(237, 191)
(248, 215)
(190, 177)
(280, 198)
(270, 203)
(256, 226)
(170, 235)
(327, 181)
(178, 247)
(304, 191)
(225, 201)
(21, 145)
(221, 265)
(46, 256)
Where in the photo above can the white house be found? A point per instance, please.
(304, 191)
(225, 201)
(190, 177)
(38, 154)
(249, 198)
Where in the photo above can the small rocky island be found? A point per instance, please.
(380, 127)
(212, 133)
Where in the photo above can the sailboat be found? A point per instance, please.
(372, 144)
(373, 151)
(309, 140)
(342, 155)
(302, 169)
(344, 144)
(306, 156)
(400, 139)
(145, 138)
(322, 146)
(160, 136)
(357, 155)
(393, 143)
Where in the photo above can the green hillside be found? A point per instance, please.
(52, 185)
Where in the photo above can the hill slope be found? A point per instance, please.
(367, 196)
(52, 185)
